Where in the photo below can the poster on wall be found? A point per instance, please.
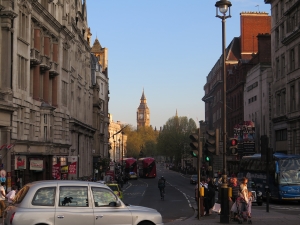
(56, 171)
(245, 134)
(72, 168)
(20, 162)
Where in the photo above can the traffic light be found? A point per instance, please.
(194, 144)
(207, 158)
(232, 146)
(212, 141)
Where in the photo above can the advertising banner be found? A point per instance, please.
(245, 134)
(56, 171)
(36, 165)
(72, 168)
(20, 162)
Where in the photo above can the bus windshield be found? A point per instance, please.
(289, 171)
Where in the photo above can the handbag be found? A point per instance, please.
(234, 208)
(216, 208)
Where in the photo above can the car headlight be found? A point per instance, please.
(259, 193)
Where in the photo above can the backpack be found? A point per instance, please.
(161, 183)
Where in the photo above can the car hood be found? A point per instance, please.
(134, 208)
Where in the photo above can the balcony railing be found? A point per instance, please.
(35, 58)
(53, 69)
(45, 63)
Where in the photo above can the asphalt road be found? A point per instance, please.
(179, 199)
(179, 196)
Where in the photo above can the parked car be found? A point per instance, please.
(194, 179)
(116, 189)
(74, 202)
(133, 175)
(256, 195)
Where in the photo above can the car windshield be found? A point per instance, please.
(132, 173)
(194, 177)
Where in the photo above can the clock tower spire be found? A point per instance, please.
(143, 113)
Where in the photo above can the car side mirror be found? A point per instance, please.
(114, 204)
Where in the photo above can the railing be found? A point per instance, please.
(35, 56)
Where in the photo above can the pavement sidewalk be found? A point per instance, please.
(259, 217)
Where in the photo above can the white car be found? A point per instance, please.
(65, 202)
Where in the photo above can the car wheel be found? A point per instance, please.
(145, 223)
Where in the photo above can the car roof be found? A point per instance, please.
(64, 182)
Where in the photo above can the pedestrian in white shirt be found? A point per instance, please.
(11, 195)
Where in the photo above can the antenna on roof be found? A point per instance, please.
(257, 7)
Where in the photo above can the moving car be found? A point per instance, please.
(116, 189)
(64, 202)
(133, 175)
(194, 179)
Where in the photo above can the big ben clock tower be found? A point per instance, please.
(143, 113)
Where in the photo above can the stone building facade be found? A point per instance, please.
(285, 42)
(46, 93)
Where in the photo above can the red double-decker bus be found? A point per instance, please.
(147, 167)
(130, 165)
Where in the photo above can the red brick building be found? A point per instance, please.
(238, 53)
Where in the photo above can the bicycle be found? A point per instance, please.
(162, 193)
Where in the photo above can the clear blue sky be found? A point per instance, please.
(167, 47)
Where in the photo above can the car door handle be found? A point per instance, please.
(99, 217)
(60, 217)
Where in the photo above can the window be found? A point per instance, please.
(23, 23)
(63, 161)
(292, 59)
(283, 102)
(282, 33)
(20, 129)
(276, 38)
(44, 197)
(41, 86)
(22, 69)
(277, 68)
(31, 124)
(70, 196)
(281, 7)
(45, 133)
(292, 98)
(102, 197)
(282, 65)
(64, 93)
(278, 103)
(276, 13)
(281, 135)
(65, 58)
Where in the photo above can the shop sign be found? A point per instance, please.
(20, 162)
(56, 171)
(72, 168)
(72, 159)
(36, 165)
(64, 169)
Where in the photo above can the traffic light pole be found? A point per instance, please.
(199, 160)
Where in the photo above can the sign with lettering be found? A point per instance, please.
(36, 165)
(56, 171)
(72, 168)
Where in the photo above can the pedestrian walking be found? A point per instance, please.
(11, 195)
(2, 199)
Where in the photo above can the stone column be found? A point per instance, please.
(55, 52)
(36, 82)
(47, 46)
(37, 39)
(46, 86)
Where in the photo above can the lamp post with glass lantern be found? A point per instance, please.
(223, 6)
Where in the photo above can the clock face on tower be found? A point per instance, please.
(141, 116)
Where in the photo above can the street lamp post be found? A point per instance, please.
(122, 165)
(223, 6)
(119, 150)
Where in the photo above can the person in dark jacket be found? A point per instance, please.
(211, 193)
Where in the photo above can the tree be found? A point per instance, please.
(174, 136)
